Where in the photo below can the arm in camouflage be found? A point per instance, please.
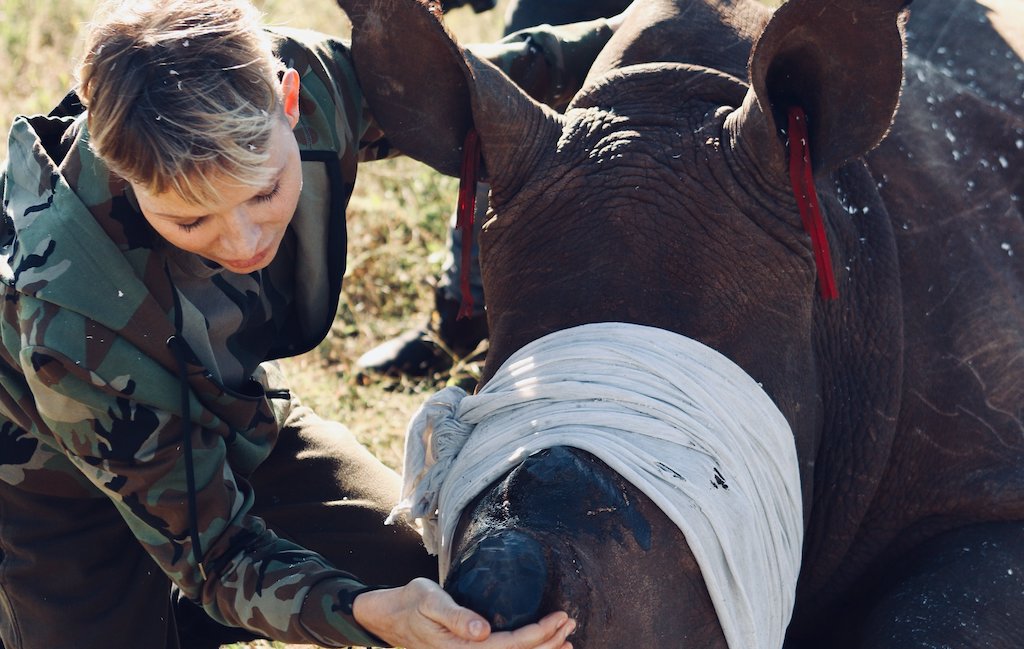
(85, 373)
(549, 63)
(123, 432)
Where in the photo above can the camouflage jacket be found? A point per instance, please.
(94, 376)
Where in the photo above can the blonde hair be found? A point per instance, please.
(182, 94)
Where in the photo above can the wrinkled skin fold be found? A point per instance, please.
(661, 197)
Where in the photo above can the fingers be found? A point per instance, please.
(451, 625)
(549, 633)
(438, 606)
(564, 627)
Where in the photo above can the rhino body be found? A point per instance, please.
(661, 197)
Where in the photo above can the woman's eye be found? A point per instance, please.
(188, 227)
(269, 196)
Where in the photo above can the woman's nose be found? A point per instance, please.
(241, 235)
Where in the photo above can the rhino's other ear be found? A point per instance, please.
(424, 90)
(842, 62)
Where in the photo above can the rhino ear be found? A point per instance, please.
(424, 90)
(842, 62)
(412, 77)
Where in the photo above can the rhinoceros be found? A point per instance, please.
(822, 202)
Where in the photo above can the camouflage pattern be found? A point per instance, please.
(90, 394)
(549, 63)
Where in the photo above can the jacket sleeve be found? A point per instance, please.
(125, 435)
(549, 63)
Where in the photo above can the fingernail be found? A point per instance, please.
(476, 627)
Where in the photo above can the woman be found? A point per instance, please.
(170, 228)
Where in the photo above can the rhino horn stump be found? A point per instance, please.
(503, 578)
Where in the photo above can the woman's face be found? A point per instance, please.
(244, 228)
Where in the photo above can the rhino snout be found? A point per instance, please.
(504, 578)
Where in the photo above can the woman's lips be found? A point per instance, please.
(244, 264)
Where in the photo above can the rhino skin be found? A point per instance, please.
(661, 197)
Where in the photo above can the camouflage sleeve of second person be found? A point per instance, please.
(549, 62)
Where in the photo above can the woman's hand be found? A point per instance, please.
(420, 615)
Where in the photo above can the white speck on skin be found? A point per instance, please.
(120, 293)
(1003, 162)
(1006, 247)
(950, 136)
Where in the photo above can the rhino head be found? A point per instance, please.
(662, 195)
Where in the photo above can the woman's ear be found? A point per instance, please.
(290, 93)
